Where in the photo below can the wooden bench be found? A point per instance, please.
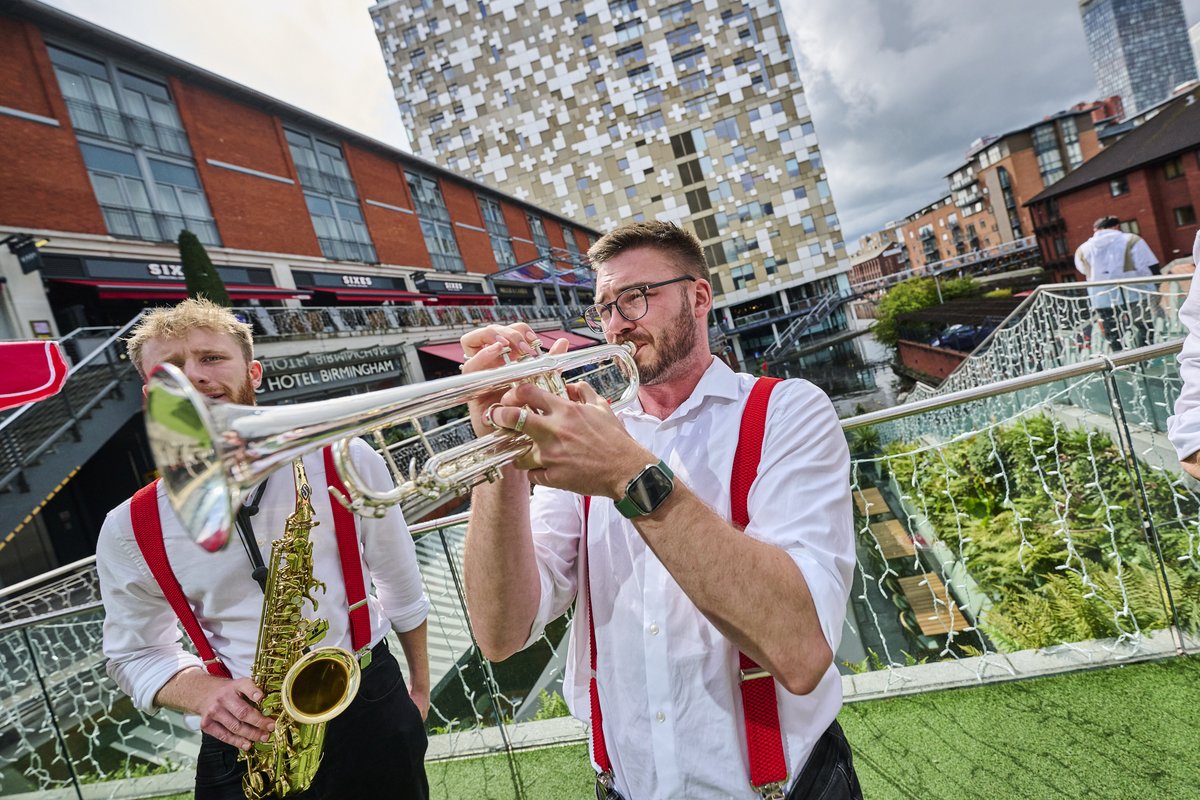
(869, 502)
(934, 618)
(894, 541)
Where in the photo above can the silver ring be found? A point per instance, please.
(524, 415)
(487, 417)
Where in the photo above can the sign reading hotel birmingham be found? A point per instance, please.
(289, 376)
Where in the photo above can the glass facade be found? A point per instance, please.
(135, 150)
(331, 198)
(1140, 49)
(435, 223)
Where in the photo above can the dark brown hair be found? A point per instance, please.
(681, 246)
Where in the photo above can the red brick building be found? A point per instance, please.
(876, 262)
(112, 148)
(1150, 180)
(935, 233)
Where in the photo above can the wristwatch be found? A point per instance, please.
(647, 491)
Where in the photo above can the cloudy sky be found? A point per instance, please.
(898, 88)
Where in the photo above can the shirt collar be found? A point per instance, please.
(718, 383)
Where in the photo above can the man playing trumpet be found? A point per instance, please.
(379, 741)
(705, 535)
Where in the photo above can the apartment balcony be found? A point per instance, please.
(157, 226)
(322, 181)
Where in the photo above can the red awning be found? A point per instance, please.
(452, 351)
(170, 290)
(371, 295)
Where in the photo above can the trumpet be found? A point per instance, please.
(211, 455)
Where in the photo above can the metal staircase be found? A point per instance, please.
(42, 442)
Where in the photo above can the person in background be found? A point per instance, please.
(1183, 427)
(379, 741)
(709, 519)
(1110, 254)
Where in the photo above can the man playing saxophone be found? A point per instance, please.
(376, 746)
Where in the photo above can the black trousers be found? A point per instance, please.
(829, 772)
(376, 748)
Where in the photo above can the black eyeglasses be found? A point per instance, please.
(631, 303)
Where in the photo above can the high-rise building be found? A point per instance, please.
(1194, 35)
(1139, 49)
(612, 111)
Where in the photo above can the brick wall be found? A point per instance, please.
(936, 362)
(252, 212)
(43, 182)
(473, 242)
(397, 236)
(518, 226)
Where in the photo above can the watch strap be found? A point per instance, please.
(628, 508)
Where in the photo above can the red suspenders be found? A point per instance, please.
(147, 530)
(764, 741)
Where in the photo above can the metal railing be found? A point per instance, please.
(157, 226)
(114, 125)
(333, 320)
(1057, 324)
(31, 430)
(1030, 526)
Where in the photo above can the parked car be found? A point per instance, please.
(963, 338)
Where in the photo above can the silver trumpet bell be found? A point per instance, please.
(210, 455)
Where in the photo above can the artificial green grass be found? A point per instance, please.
(1119, 732)
(1108, 734)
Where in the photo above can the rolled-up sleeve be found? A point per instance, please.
(556, 520)
(142, 640)
(1183, 427)
(800, 500)
(389, 553)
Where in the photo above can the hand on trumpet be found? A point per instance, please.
(485, 349)
(579, 443)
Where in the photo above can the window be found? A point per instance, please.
(693, 83)
(800, 193)
(682, 36)
(582, 183)
(630, 192)
(340, 228)
(1070, 137)
(540, 240)
(677, 12)
(320, 165)
(497, 228)
(435, 223)
(706, 228)
(823, 190)
(135, 150)
(701, 104)
(572, 246)
(726, 129)
(1118, 186)
(643, 74)
(1045, 145)
(697, 200)
(622, 6)
(630, 54)
(690, 172)
(644, 100)
(808, 224)
(1130, 226)
(741, 275)
(688, 60)
(1185, 215)
(714, 255)
(1173, 169)
(648, 123)
(686, 144)
(629, 30)
(793, 167)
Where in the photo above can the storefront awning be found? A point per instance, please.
(170, 290)
(452, 351)
(371, 295)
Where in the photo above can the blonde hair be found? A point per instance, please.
(177, 321)
(680, 245)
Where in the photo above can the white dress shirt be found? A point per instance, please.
(141, 638)
(1102, 258)
(671, 703)
(1183, 427)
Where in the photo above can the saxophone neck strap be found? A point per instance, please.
(258, 569)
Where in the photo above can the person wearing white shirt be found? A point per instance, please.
(380, 739)
(677, 590)
(1183, 427)
(1111, 254)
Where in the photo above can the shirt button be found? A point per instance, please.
(661, 717)
(653, 629)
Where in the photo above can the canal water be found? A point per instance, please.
(855, 373)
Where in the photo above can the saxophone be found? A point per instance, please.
(302, 688)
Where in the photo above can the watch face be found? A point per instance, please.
(650, 488)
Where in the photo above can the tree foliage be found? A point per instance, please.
(198, 271)
(913, 295)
